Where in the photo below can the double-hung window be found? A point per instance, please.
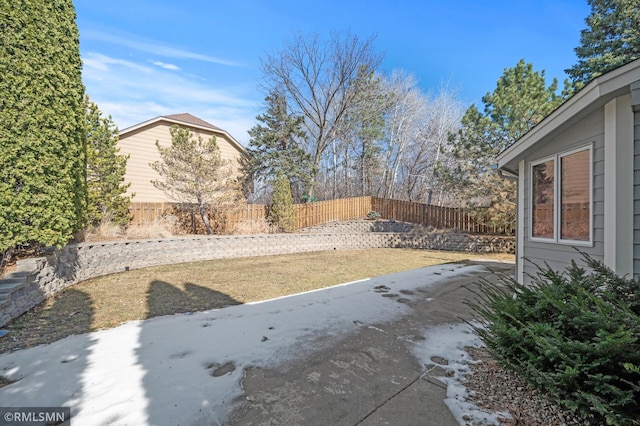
(561, 198)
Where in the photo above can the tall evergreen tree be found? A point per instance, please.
(276, 147)
(42, 130)
(611, 39)
(105, 169)
(520, 101)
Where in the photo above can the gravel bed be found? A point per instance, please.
(492, 388)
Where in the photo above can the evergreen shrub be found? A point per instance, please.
(574, 335)
(373, 215)
(282, 212)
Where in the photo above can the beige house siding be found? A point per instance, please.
(140, 145)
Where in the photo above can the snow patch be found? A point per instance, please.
(188, 369)
(444, 346)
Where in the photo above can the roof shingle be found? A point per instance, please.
(185, 117)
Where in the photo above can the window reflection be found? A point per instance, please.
(575, 196)
(543, 199)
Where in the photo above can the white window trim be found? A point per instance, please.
(557, 183)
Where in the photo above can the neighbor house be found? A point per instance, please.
(139, 142)
(578, 175)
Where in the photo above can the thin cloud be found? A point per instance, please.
(156, 48)
(101, 62)
(132, 93)
(166, 66)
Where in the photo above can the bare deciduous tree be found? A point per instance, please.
(403, 125)
(320, 81)
(416, 129)
(356, 149)
(443, 114)
(366, 133)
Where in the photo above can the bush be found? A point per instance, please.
(373, 215)
(106, 168)
(282, 212)
(573, 335)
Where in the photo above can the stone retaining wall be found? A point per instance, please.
(359, 226)
(37, 279)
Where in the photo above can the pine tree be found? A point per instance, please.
(520, 101)
(611, 39)
(42, 129)
(282, 212)
(276, 147)
(194, 173)
(105, 170)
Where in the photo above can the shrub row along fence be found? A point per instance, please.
(310, 214)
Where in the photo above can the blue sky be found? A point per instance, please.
(146, 58)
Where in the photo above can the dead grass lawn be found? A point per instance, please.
(111, 300)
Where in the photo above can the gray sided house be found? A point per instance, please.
(578, 174)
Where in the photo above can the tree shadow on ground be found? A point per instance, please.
(165, 299)
(68, 312)
(170, 351)
(52, 375)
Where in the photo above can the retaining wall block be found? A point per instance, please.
(66, 266)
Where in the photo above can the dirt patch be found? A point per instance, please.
(494, 388)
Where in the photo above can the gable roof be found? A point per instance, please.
(185, 119)
(594, 95)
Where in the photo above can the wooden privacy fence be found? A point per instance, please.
(306, 214)
(470, 220)
(189, 219)
(320, 212)
(148, 212)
